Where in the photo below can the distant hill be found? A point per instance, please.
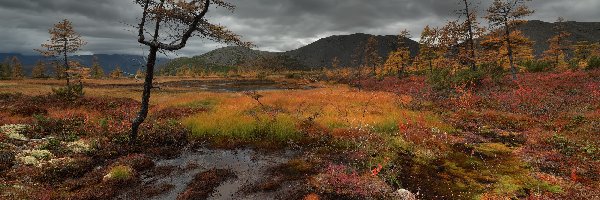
(323, 51)
(128, 63)
(315, 55)
(539, 32)
(234, 55)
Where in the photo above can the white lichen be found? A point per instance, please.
(80, 146)
(34, 157)
(28, 160)
(13, 131)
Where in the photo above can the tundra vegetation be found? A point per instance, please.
(472, 115)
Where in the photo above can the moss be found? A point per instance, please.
(492, 150)
(119, 173)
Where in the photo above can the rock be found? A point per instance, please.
(402, 194)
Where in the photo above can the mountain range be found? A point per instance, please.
(128, 63)
(318, 54)
(323, 51)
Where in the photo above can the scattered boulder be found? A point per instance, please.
(402, 194)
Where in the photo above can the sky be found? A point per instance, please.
(272, 25)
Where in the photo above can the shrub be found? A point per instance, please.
(593, 63)
(439, 79)
(70, 93)
(537, 66)
(444, 79)
(468, 77)
(493, 70)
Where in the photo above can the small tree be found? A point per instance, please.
(140, 74)
(508, 13)
(96, 72)
(5, 70)
(17, 68)
(399, 59)
(170, 24)
(63, 42)
(335, 63)
(39, 71)
(372, 58)
(116, 73)
(558, 45)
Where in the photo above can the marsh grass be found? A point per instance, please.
(279, 115)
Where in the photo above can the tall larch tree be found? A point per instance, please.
(558, 45)
(507, 14)
(39, 71)
(63, 42)
(17, 68)
(427, 47)
(167, 25)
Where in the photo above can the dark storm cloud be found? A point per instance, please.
(275, 25)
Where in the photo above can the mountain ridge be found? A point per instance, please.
(321, 52)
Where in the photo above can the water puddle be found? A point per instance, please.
(248, 165)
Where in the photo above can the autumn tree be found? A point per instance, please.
(495, 48)
(167, 25)
(448, 42)
(39, 71)
(399, 59)
(558, 45)
(17, 68)
(96, 71)
(116, 73)
(371, 56)
(5, 69)
(427, 47)
(507, 14)
(335, 63)
(63, 42)
(59, 71)
(140, 74)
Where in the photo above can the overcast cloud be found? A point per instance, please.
(273, 25)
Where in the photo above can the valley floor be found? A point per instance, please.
(297, 139)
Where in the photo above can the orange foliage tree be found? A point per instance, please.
(507, 14)
(63, 41)
(399, 59)
(496, 49)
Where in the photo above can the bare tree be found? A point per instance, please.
(63, 41)
(508, 13)
(169, 25)
(470, 24)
